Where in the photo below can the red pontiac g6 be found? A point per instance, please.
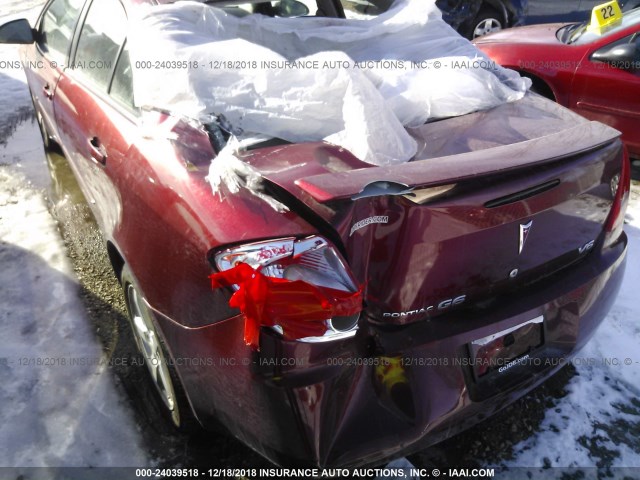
(595, 74)
(416, 299)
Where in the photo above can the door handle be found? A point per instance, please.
(98, 153)
(47, 91)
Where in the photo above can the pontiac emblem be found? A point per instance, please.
(524, 233)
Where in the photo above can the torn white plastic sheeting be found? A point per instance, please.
(229, 170)
(213, 62)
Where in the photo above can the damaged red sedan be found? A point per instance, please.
(339, 265)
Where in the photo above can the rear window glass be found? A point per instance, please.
(102, 35)
(122, 86)
(355, 9)
(57, 26)
(280, 8)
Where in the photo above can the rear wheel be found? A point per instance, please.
(540, 87)
(635, 168)
(44, 133)
(487, 21)
(170, 397)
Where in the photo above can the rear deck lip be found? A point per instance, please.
(327, 187)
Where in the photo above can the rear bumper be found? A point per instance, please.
(341, 404)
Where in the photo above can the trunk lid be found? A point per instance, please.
(494, 200)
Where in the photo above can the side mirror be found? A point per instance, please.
(624, 57)
(17, 32)
(291, 8)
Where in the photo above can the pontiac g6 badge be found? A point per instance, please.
(524, 233)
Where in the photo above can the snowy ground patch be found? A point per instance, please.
(60, 406)
(598, 423)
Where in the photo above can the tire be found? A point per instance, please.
(540, 87)
(47, 141)
(487, 21)
(635, 168)
(168, 396)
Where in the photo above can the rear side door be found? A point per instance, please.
(49, 55)
(609, 94)
(94, 108)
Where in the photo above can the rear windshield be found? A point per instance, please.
(353, 9)
(281, 8)
(365, 8)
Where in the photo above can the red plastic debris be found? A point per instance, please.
(300, 308)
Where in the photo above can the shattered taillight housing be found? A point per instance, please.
(620, 188)
(312, 260)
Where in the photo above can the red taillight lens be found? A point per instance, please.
(311, 260)
(301, 288)
(620, 187)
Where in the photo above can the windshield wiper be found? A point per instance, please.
(575, 32)
(566, 33)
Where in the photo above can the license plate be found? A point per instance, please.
(499, 350)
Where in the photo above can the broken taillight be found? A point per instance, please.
(302, 288)
(620, 187)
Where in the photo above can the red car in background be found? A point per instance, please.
(595, 75)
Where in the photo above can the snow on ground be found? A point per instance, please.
(54, 413)
(20, 5)
(598, 422)
(59, 402)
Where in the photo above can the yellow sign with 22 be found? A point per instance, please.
(604, 16)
